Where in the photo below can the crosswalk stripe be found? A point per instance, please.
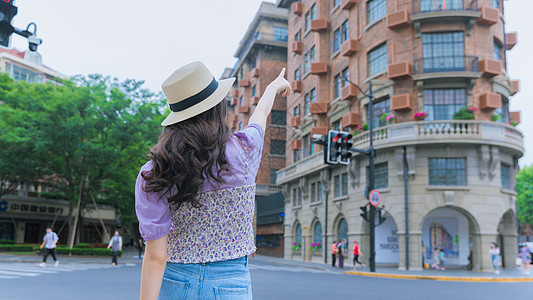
(14, 268)
(8, 277)
(19, 273)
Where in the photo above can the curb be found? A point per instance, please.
(442, 278)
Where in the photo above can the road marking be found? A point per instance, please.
(290, 269)
(443, 278)
(18, 270)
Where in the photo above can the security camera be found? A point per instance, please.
(34, 42)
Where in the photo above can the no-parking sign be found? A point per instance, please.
(374, 198)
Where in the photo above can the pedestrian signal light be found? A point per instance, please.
(7, 12)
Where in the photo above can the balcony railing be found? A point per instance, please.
(455, 132)
(426, 6)
(458, 131)
(447, 64)
(262, 37)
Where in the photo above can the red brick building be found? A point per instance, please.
(443, 59)
(261, 54)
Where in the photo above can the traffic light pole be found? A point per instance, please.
(370, 153)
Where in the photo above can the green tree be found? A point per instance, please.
(524, 198)
(90, 135)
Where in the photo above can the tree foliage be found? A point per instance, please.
(524, 189)
(87, 137)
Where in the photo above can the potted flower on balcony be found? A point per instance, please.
(296, 247)
(386, 118)
(316, 248)
(496, 118)
(360, 128)
(420, 116)
(465, 113)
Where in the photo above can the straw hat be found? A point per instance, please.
(192, 90)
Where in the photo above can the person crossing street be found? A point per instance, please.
(116, 243)
(49, 243)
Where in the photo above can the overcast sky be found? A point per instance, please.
(148, 40)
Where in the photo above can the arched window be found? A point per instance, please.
(298, 233)
(342, 230)
(317, 233)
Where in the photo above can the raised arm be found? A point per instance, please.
(266, 102)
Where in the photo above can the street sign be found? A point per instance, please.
(374, 198)
(528, 230)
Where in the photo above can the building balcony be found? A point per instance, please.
(296, 144)
(319, 25)
(400, 70)
(437, 11)
(297, 8)
(448, 132)
(349, 47)
(243, 109)
(350, 120)
(511, 39)
(446, 67)
(515, 84)
(348, 4)
(319, 130)
(348, 92)
(297, 47)
(319, 68)
(244, 82)
(516, 117)
(398, 19)
(255, 100)
(258, 39)
(401, 102)
(318, 108)
(490, 67)
(312, 163)
(296, 86)
(256, 72)
(490, 101)
(295, 121)
(489, 16)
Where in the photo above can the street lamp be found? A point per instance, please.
(370, 153)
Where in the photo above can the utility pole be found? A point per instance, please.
(338, 143)
(370, 153)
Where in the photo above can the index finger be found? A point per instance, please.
(282, 73)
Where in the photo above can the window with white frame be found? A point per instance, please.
(305, 146)
(376, 9)
(345, 31)
(505, 174)
(280, 34)
(344, 183)
(377, 60)
(336, 40)
(307, 105)
(337, 185)
(442, 104)
(497, 50)
(447, 171)
(381, 175)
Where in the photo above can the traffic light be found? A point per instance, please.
(338, 147)
(7, 12)
(346, 145)
(364, 213)
(381, 218)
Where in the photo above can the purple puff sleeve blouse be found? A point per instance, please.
(153, 211)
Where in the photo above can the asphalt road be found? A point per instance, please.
(269, 281)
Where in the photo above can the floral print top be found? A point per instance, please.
(221, 228)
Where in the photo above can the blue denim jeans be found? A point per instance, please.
(228, 279)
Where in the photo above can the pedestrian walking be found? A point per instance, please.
(423, 255)
(116, 244)
(334, 252)
(494, 252)
(436, 259)
(195, 198)
(525, 256)
(356, 254)
(141, 247)
(49, 243)
(441, 259)
(342, 252)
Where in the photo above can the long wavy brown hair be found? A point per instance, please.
(187, 154)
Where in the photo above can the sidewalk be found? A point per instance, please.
(129, 256)
(506, 275)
